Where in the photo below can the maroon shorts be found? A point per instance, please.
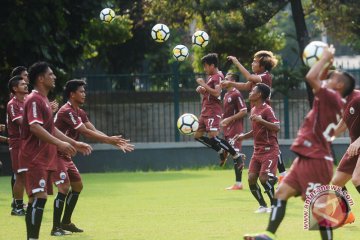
(14, 154)
(209, 124)
(66, 172)
(347, 164)
(306, 174)
(38, 180)
(264, 163)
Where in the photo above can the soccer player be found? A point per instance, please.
(39, 142)
(73, 121)
(263, 63)
(211, 111)
(232, 123)
(14, 117)
(347, 168)
(314, 165)
(266, 149)
(22, 72)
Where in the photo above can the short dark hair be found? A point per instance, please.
(234, 76)
(264, 90)
(72, 86)
(14, 82)
(17, 71)
(211, 58)
(36, 70)
(349, 82)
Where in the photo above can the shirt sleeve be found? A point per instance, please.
(71, 118)
(269, 116)
(14, 112)
(35, 110)
(239, 101)
(83, 116)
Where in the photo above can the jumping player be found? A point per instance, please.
(73, 121)
(263, 63)
(211, 111)
(14, 118)
(314, 165)
(266, 149)
(39, 142)
(232, 123)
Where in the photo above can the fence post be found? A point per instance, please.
(286, 117)
(175, 72)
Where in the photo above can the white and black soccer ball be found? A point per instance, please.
(160, 32)
(313, 52)
(187, 124)
(107, 15)
(180, 52)
(200, 38)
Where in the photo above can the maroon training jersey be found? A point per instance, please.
(234, 103)
(68, 120)
(351, 114)
(14, 111)
(264, 139)
(313, 138)
(211, 106)
(39, 154)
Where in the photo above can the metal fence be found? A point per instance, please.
(145, 107)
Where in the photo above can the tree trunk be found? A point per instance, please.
(302, 36)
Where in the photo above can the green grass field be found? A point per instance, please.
(172, 205)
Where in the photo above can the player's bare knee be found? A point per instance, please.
(77, 187)
(63, 188)
(263, 179)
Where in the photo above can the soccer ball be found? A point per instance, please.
(313, 52)
(160, 32)
(187, 124)
(107, 15)
(180, 52)
(200, 38)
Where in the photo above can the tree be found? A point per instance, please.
(60, 32)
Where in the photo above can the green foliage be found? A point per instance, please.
(64, 33)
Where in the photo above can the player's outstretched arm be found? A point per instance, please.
(45, 136)
(92, 133)
(315, 74)
(339, 129)
(84, 148)
(4, 139)
(238, 85)
(248, 76)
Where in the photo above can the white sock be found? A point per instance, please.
(283, 174)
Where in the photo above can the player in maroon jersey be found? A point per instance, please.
(314, 165)
(40, 141)
(14, 117)
(211, 111)
(346, 169)
(266, 149)
(232, 123)
(22, 72)
(263, 63)
(73, 121)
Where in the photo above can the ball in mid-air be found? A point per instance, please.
(313, 52)
(160, 32)
(187, 124)
(200, 38)
(107, 15)
(180, 52)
